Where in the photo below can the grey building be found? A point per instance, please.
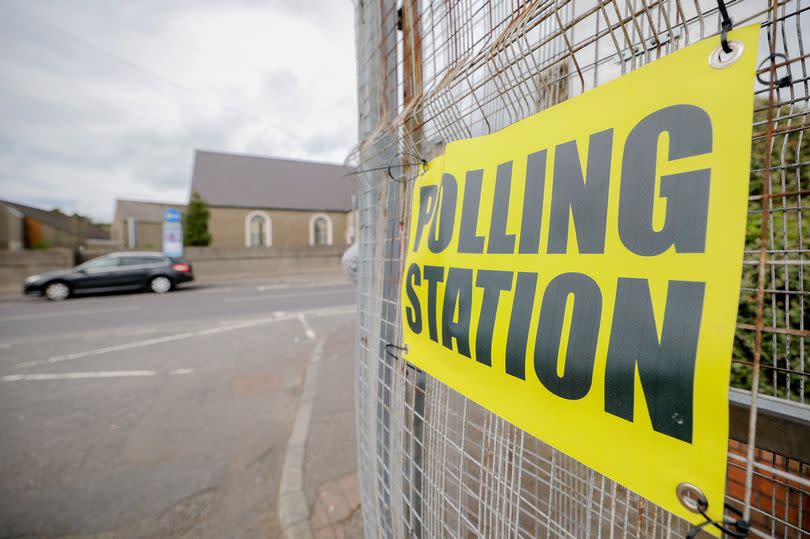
(254, 202)
(265, 201)
(139, 224)
(27, 227)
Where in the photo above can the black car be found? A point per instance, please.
(116, 271)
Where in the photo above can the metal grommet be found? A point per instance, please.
(691, 497)
(719, 59)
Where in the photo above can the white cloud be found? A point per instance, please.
(101, 100)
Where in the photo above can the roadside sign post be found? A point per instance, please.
(172, 233)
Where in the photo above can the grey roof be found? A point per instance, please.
(59, 221)
(264, 182)
(145, 212)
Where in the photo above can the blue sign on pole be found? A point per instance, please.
(172, 216)
(172, 233)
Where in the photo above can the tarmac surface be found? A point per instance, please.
(144, 415)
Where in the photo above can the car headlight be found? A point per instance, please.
(32, 278)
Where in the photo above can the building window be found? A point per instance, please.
(320, 230)
(257, 225)
(258, 230)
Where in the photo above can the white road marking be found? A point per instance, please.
(307, 328)
(86, 335)
(136, 332)
(213, 290)
(182, 371)
(302, 286)
(278, 316)
(157, 340)
(5, 345)
(117, 348)
(75, 375)
(266, 297)
(332, 311)
(262, 288)
(291, 487)
(26, 364)
(124, 333)
(66, 313)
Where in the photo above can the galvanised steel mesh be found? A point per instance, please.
(434, 464)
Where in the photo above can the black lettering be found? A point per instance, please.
(493, 282)
(584, 199)
(533, 203)
(666, 367)
(687, 193)
(457, 292)
(519, 324)
(427, 205)
(577, 376)
(444, 219)
(468, 240)
(433, 275)
(499, 241)
(413, 312)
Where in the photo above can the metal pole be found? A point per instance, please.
(763, 253)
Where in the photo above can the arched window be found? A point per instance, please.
(257, 233)
(321, 237)
(320, 230)
(258, 230)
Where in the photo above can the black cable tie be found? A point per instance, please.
(424, 169)
(375, 169)
(390, 346)
(741, 527)
(726, 25)
(421, 162)
(782, 82)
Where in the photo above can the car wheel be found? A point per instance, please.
(57, 291)
(160, 284)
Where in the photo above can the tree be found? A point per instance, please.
(786, 284)
(195, 229)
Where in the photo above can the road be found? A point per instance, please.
(143, 415)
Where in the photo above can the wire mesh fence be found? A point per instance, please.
(433, 463)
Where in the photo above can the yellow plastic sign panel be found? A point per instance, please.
(578, 272)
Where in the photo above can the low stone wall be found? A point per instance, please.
(210, 263)
(250, 262)
(15, 266)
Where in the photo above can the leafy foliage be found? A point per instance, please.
(195, 228)
(786, 285)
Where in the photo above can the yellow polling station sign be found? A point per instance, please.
(578, 272)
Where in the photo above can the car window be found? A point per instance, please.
(141, 260)
(101, 263)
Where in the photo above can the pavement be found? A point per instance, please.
(144, 415)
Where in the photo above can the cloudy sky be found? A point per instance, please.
(100, 100)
